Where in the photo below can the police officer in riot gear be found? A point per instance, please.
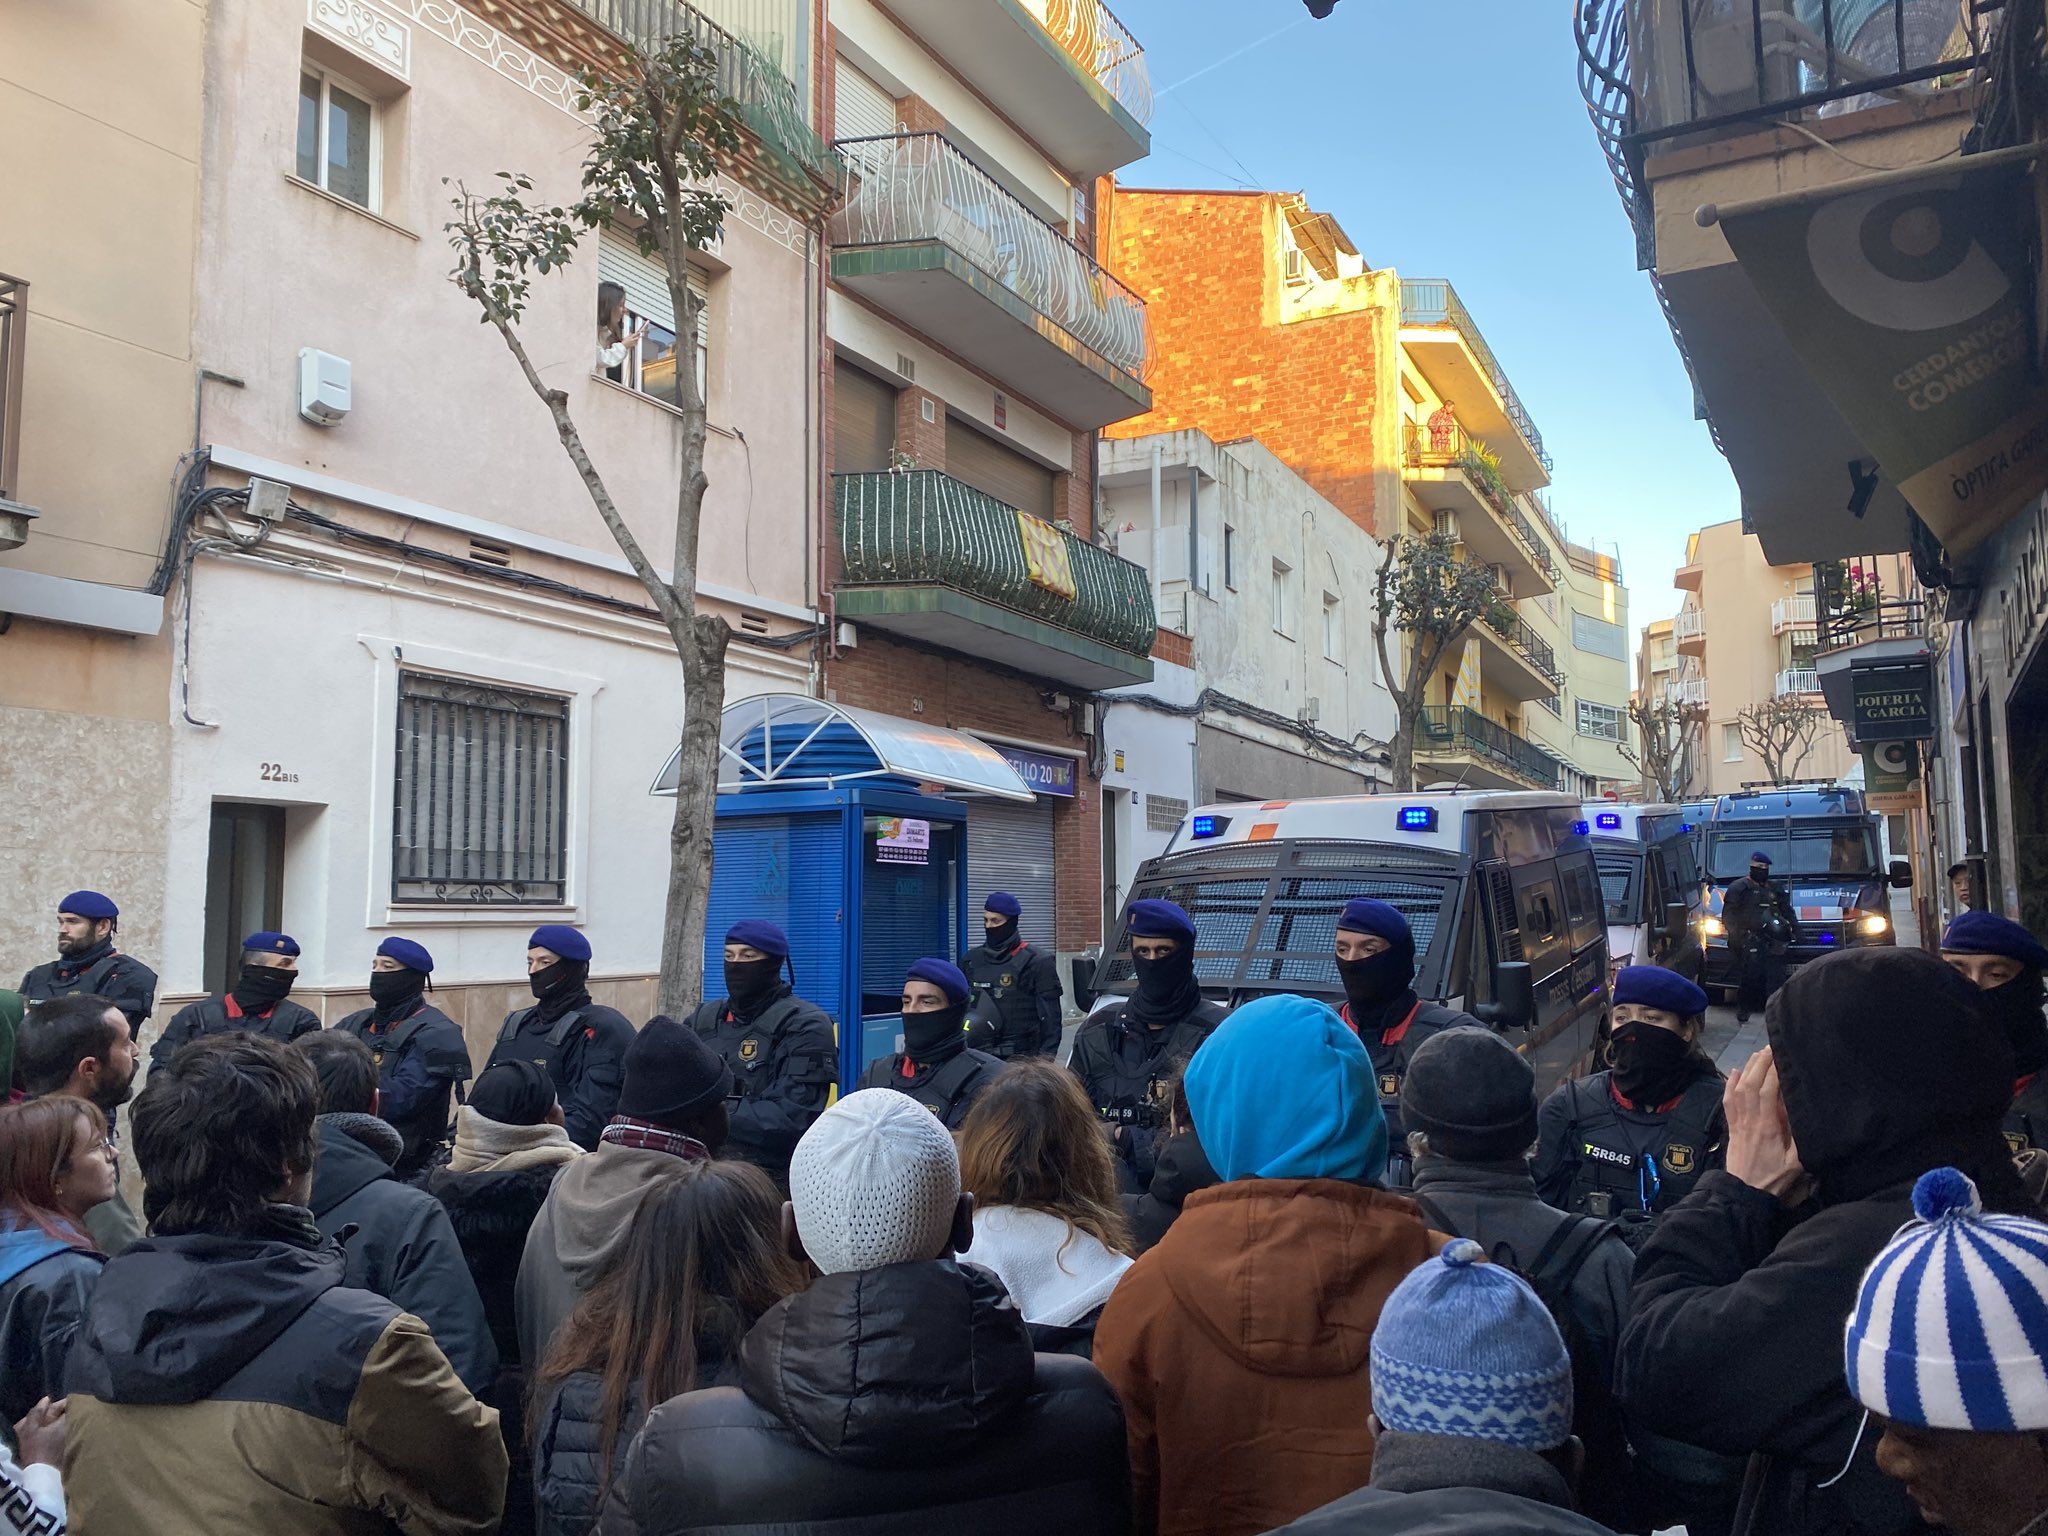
(782, 1050)
(1016, 1010)
(1761, 927)
(581, 1045)
(2005, 963)
(87, 961)
(1376, 961)
(936, 1066)
(422, 1060)
(256, 1004)
(1128, 1057)
(1630, 1142)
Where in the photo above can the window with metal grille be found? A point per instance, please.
(480, 816)
(1602, 720)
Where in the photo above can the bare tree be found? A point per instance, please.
(1426, 592)
(660, 128)
(1667, 735)
(1781, 731)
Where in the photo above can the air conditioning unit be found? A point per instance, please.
(1446, 524)
(1502, 580)
(324, 388)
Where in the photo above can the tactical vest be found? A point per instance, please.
(1615, 1174)
(746, 1046)
(2026, 1123)
(1004, 1018)
(544, 1051)
(947, 1092)
(41, 984)
(1138, 1092)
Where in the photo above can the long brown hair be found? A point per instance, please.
(1033, 1140)
(701, 1262)
(37, 1141)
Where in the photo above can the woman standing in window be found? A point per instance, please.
(614, 341)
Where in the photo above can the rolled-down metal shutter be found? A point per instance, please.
(1009, 848)
(863, 420)
(1002, 472)
(646, 285)
(861, 109)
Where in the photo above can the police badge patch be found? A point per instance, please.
(750, 1048)
(1679, 1158)
(1390, 1085)
(2018, 1142)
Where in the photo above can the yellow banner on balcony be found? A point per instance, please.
(1046, 559)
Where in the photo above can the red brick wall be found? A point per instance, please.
(960, 694)
(1171, 646)
(924, 441)
(1207, 265)
(918, 115)
(1074, 497)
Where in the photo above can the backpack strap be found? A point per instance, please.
(1433, 1213)
(1570, 1246)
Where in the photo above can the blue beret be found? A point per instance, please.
(1760, 857)
(1980, 933)
(562, 939)
(413, 957)
(757, 933)
(944, 975)
(1154, 919)
(1651, 986)
(1365, 915)
(272, 943)
(1003, 904)
(88, 904)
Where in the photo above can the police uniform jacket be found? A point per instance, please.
(1391, 1051)
(1643, 1158)
(2026, 1124)
(284, 1023)
(421, 1057)
(121, 979)
(947, 1088)
(1750, 905)
(1017, 1000)
(1127, 1072)
(583, 1051)
(784, 1061)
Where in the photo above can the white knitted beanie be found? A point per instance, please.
(874, 1181)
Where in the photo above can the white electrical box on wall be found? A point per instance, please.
(323, 387)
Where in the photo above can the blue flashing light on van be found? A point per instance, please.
(1209, 826)
(1418, 818)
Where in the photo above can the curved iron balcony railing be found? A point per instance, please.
(916, 187)
(905, 527)
(1103, 46)
(1454, 728)
(761, 86)
(1433, 301)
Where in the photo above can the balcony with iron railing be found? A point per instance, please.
(929, 557)
(1455, 732)
(1857, 604)
(929, 236)
(1794, 612)
(1066, 72)
(761, 60)
(1516, 661)
(1455, 472)
(1441, 335)
(1796, 682)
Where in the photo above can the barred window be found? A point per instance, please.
(480, 814)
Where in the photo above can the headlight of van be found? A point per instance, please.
(1714, 928)
(1871, 924)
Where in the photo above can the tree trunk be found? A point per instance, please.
(681, 985)
(1401, 753)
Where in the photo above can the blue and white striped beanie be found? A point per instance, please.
(1950, 1329)
(1466, 1348)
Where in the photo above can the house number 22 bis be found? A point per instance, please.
(273, 773)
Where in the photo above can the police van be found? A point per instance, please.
(1824, 850)
(1649, 885)
(1500, 889)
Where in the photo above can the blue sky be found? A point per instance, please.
(1449, 139)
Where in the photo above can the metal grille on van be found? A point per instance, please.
(1506, 926)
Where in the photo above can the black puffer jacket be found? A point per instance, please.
(567, 1480)
(898, 1399)
(492, 1212)
(1735, 1342)
(1182, 1168)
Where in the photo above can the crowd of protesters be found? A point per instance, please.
(1277, 1267)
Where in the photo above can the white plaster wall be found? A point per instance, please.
(300, 671)
(1158, 759)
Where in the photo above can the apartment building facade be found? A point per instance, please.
(976, 345)
(1382, 393)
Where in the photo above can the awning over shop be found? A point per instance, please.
(792, 741)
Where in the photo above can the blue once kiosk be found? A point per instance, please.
(828, 825)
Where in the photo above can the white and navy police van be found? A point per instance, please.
(1648, 860)
(1500, 889)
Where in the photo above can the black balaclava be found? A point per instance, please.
(261, 988)
(2017, 1008)
(1652, 1065)
(750, 985)
(1378, 987)
(930, 1038)
(1000, 939)
(558, 987)
(393, 990)
(1167, 989)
